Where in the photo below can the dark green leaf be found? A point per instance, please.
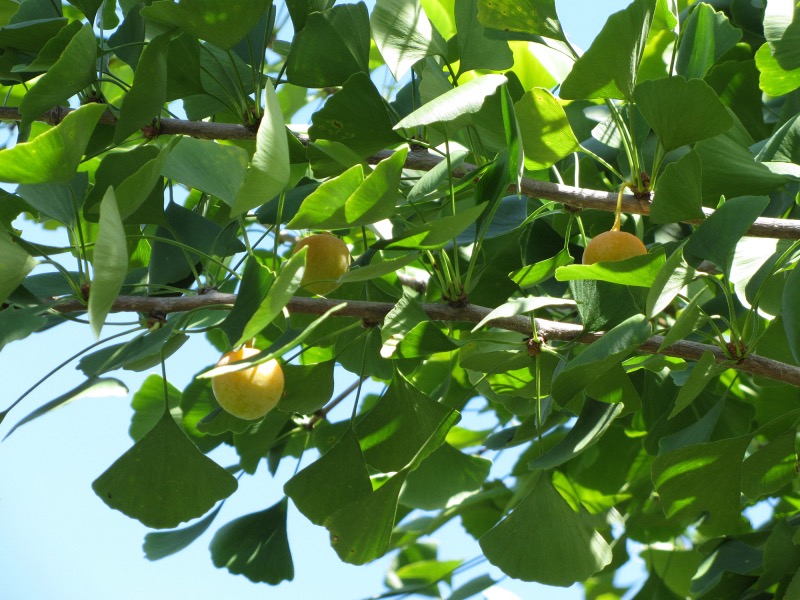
(400, 425)
(706, 36)
(307, 387)
(703, 479)
(145, 100)
(72, 72)
(770, 467)
(608, 68)
(256, 546)
(716, 237)
(791, 312)
(148, 405)
(256, 281)
(160, 544)
(163, 480)
(730, 170)
(360, 531)
(18, 324)
(336, 479)
(59, 201)
(356, 116)
(681, 111)
(784, 144)
(445, 473)
(332, 46)
(544, 540)
(614, 347)
(423, 340)
(256, 441)
(679, 191)
(594, 420)
(220, 22)
(300, 9)
(703, 371)
(91, 388)
(475, 49)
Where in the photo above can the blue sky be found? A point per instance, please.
(59, 541)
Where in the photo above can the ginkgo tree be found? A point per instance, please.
(652, 399)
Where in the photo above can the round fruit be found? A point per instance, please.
(327, 259)
(612, 245)
(249, 393)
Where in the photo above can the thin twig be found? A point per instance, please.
(423, 160)
(376, 311)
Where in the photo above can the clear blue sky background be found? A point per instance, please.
(59, 541)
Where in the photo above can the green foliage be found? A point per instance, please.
(466, 192)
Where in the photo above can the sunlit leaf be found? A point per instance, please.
(466, 99)
(268, 172)
(546, 133)
(54, 155)
(403, 34)
(639, 271)
(110, 263)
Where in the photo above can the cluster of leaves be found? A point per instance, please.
(694, 102)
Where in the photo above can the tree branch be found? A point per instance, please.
(424, 161)
(376, 311)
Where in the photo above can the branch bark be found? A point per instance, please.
(376, 311)
(424, 161)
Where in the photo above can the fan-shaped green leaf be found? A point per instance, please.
(164, 480)
(544, 540)
(54, 155)
(256, 546)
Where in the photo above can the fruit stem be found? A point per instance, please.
(616, 226)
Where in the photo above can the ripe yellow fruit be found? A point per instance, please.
(612, 245)
(328, 258)
(249, 393)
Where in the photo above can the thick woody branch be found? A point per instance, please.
(425, 161)
(376, 311)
